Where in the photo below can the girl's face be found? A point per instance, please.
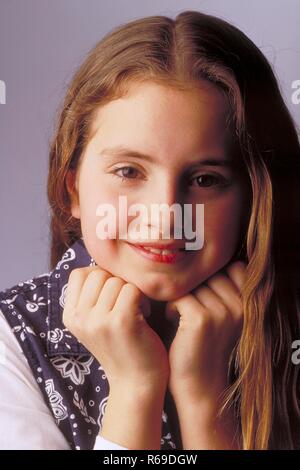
(186, 141)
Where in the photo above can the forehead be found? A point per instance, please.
(152, 116)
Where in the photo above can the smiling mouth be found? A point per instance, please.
(163, 251)
(161, 255)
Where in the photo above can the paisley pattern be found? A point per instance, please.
(56, 401)
(75, 368)
(73, 383)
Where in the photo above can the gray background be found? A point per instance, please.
(41, 44)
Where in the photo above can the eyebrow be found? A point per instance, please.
(120, 151)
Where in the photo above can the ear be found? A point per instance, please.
(71, 184)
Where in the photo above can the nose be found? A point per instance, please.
(166, 191)
(165, 208)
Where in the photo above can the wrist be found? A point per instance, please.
(210, 430)
(195, 393)
(133, 395)
(133, 417)
(138, 388)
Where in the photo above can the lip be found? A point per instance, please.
(162, 246)
(171, 258)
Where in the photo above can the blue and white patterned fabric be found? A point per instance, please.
(72, 381)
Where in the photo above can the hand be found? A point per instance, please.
(106, 314)
(210, 323)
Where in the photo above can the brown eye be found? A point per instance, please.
(205, 181)
(127, 172)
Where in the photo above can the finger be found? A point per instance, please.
(75, 282)
(109, 293)
(189, 308)
(237, 273)
(227, 291)
(91, 288)
(208, 298)
(130, 295)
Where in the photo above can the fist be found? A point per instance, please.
(210, 322)
(107, 315)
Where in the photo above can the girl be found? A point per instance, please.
(145, 350)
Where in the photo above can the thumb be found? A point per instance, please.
(186, 307)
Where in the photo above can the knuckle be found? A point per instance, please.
(214, 283)
(76, 273)
(89, 330)
(215, 279)
(114, 281)
(104, 325)
(237, 268)
(131, 288)
(118, 321)
(203, 289)
(98, 274)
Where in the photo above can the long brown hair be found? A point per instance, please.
(179, 52)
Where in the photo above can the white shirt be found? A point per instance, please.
(25, 420)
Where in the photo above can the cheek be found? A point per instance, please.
(222, 224)
(93, 195)
(103, 251)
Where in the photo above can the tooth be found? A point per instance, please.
(153, 250)
(160, 252)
